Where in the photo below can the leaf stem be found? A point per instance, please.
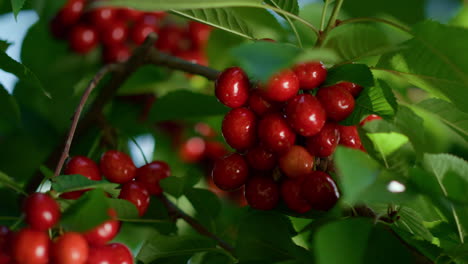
(139, 149)
(298, 37)
(324, 14)
(331, 22)
(287, 14)
(378, 20)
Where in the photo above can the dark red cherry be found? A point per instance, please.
(324, 143)
(128, 15)
(71, 12)
(150, 174)
(70, 248)
(115, 33)
(349, 137)
(100, 255)
(41, 211)
(102, 17)
(136, 193)
(140, 31)
(281, 86)
(116, 53)
(83, 39)
(215, 150)
(352, 88)
(305, 114)
(275, 133)
(105, 232)
(261, 159)
(337, 102)
(291, 194)
(192, 150)
(171, 39)
(117, 166)
(240, 128)
(230, 172)
(5, 236)
(31, 247)
(369, 118)
(320, 191)
(84, 166)
(232, 87)
(204, 130)
(121, 253)
(5, 258)
(199, 34)
(152, 18)
(261, 106)
(296, 162)
(310, 74)
(262, 193)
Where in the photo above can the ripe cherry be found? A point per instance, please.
(349, 137)
(105, 232)
(140, 31)
(262, 193)
(324, 143)
(275, 133)
(230, 172)
(136, 193)
(369, 118)
(71, 12)
(232, 87)
(305, 114)
(5, 258)
(127, 14)
(337, 102)
(261, 106)
(150, 174)
(261, 159)
(31, 247)
(5, 236)
(192, 150)
(171, 39)
(115, 33)
(70, 248)
(199, 34)
(281, 86)
(204, 130)
(100, 255)
(240, 128)
(84, 166)
(116, 53)
(296, 162)
(310, 74)
(83, 39)
(121, 253)
(117, 166)
(320, 191)
(352, 88)
(291, 194)
(42, 212)
(102, 17)
(215, 150)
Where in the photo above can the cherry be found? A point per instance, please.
(70, 248)
(310, 74)
(31, 247)
(150, 174)
(5, 236)
(5, 258)
(116, 53)
(259, 105)
(275, 133)
(192, 150)
(370, 118)
(305, 114)
(136, 193)
(117, 166)
(215, 150)
(320, 191)
(100, 255)
(324, 143)
(261, 159)
(352, 88)
(127, 14)
(71, 12)
(152, 18)
(262, 193)
(291, 194)
(349, 137)
(115, 33)
(121, 253)
(140, 31)
(171, 39)
(239, 128)
(230, 172)
(281, 86)
(83, 39)
(102, 17)
(337, 102)
(296, 162)
(232, 87)
(105, 232)
(204, 129)
(84, 166)
(41, 211)
(199, 34)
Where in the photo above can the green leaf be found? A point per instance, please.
(326, 56)
(151, 5)
(125, 209)
(262, 23)
(355, 73)
(177, 186)
(6, 181)
(16, 6)
(205, 202)
(4, 45)
(412, 126)
(412, 222)
(76, 182)
(290, 6)
(134, 236)
(387, 143)
(10, 116)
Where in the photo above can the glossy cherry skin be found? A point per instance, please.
(215, 150)
(230, 172)
(140, 31)
(71, 12)
(296, 162)
(117, 166)
(70, 248)
(41, 211)
(116, 53)
(310, 74)
(262, 193)
(337, 102)
(349, 137)
(324, 143)
(121, 253)
(305, 114)
(199, 33)
(291, 194)
(83, 39)
(100, 255)
(171, 39)
(102, 17)
(260, 158)
(150, 174)
(369, 118)
(320, 191)
(240, 128)
(115, 33)
(136, 193)
(261, 106)
(281, 86)
(232, 87)
(352, 88)
(31, 247)
(114, 253)
(103, 233)
(192, 150)
(128, 14)
(84, 166)
(275, 133)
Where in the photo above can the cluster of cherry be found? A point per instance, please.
(278, 129)
(120, 30)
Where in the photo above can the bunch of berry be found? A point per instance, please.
(287, 121)
(120, 30)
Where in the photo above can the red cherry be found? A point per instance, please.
(320, 191)
(136, 193)
(215, 150)
(199, 34)
(121, 253)
(103, 233)
(262, 193)
(5, 258)
(275, 133)
(194, 56)
(239, 128)
(152, 18)
(102, 17)
(171, 39)
(337, 102)
(296, 162)
(117, 166)
(71, 12)
(84, 166)
(369, 118)
(70, 248)
(260, 106)
(261, 159)
(83, 39)
(352, 88)
(5, 236)
(140, 31)
(349, 137)
(204, 129)
(115, 33)
(150, 174)
(324, 143)
(41, 211)
(291, 194)
(116, 53)
(100, 255)
(230, 172)
(305, 114)
(127, 14)
(192, 150)
(232, 87)
(31, 247)
(310, 74)
(281, 86)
